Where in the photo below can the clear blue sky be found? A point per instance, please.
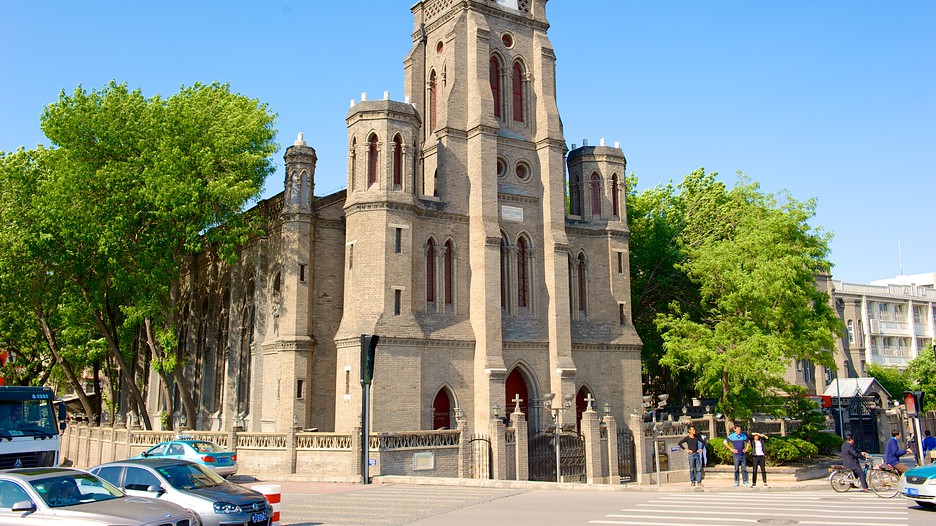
(828, 99)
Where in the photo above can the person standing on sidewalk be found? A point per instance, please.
(693, 444)
(738, 444)
(758, 457)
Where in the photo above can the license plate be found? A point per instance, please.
(258, 517)
(913, 492)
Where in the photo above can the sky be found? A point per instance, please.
(833, 100)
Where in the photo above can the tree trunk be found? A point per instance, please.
(178, 373)
(66, 368)
(124, 369)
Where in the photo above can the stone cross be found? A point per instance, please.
(589, 399)
(516, 400)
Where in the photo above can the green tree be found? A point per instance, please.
(922, 370)
(892, 378)
(754, 258)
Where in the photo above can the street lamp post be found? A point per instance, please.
(556, 413)
(648, 404)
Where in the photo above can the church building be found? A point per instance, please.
(491, 260)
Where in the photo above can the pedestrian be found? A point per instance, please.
(851, 459)
(894, 452)
(738, 444)
(704, 458)
(758, 457)
(694, 445)
(929, 447)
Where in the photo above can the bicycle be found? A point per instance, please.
(842, 479)
(883, 481)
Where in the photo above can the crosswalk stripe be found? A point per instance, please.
(759, 511)
(825, 509)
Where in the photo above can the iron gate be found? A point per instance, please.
(480, 467)
(627, 450)
(862, 424)
(571, 458)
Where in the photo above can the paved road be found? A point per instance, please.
(423, 505)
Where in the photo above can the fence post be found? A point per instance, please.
(614, 473)
(592, 437)
(291, 448)
(640, 446)
(521, 444)
(498, 448)
(356, 447)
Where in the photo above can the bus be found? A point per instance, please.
(29, 427)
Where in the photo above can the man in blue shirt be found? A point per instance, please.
(738, 444)
(929, 447)
(894, 452)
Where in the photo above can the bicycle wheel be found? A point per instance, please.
(840, 481)
(884, 483)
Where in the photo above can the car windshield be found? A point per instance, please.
(26, 417)
(73, 489)
(205, 447)
(189, 476)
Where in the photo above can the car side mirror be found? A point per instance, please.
(156, 488)
(23, 506)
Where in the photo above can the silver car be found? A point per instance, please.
(50, 496)
(214, 500)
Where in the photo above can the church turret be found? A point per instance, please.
(300, 176)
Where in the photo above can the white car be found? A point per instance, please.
(70, 497)
(919, 484)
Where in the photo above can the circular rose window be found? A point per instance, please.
(507, 40)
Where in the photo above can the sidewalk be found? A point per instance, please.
(718, 479)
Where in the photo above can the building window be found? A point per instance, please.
(449, 278)
(575, 196)
(432, 101)
(351, 256)
(620, 262)
(302, 273)
(615, 207)
(397, 162)
(622, 314)
(430, 271)
(372, 160)
(300, 384)
(504, 271)
(398, 240)
(523, 172)
(495, 78)
(501, 167)
(595, 189)
(851, 331)
(581, 283)
(517, 92)
(347, 381)
(522, 273)
(352, 153)
(397, 301)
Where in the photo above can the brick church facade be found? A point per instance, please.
(456, 242)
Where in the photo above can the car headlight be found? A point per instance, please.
(226, 507)
(931, 481)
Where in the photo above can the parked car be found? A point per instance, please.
(214, 500)
(919, 484)
(203, 452)
(41, 496)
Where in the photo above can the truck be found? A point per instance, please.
(30, 427)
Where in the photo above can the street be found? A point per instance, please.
(322, 504)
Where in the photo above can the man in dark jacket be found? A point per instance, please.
(693, 444)
(851, 459)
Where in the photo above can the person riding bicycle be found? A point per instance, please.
(894, 452)
(851, 459)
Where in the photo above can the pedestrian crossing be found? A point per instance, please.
(739, 509)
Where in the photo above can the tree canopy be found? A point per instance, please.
(725, 289)
(101, 222)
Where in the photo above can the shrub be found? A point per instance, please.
(782, 450)
(827, 443)
(718, 452)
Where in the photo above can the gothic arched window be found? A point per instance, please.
(582, 303)
(595, 190)
(432, 101)
(430, 271)
(504, 271)
(495, 77)
(449, 269)
(397, 161)
(523, 277)
(575, 196)
(517, 81)
(372, 159)
(615, 190)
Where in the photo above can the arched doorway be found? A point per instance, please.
(581, 405)
(516, 385)
(442, 410)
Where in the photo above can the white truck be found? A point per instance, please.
(29, 427)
